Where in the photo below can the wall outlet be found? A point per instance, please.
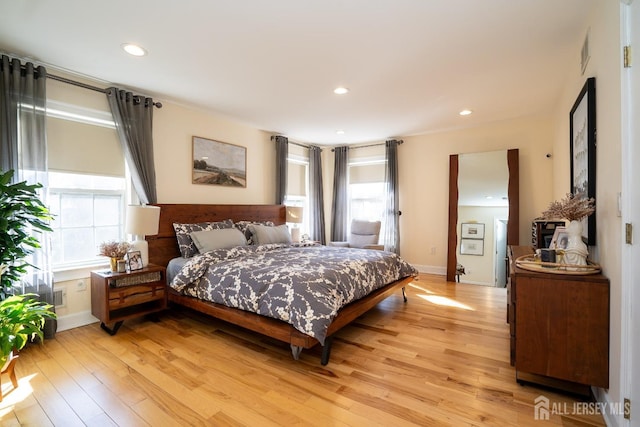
(81, 286)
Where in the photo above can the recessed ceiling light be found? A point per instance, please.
(134, 49)
(465, 112)
(340, 132)
(340, 90)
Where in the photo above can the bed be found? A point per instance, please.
(164, 247)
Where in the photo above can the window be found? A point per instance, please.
(88, 188)
(298, 187)
(89, 210)
(367, 191)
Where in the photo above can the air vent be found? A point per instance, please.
(60, 297)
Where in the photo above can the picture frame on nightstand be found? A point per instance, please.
(134, 261)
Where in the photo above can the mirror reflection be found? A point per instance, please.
(483, 212)
(483, 216)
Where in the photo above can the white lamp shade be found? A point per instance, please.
(294, 214)
(142, 220)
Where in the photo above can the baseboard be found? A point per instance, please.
(75, 320)
(431, 269)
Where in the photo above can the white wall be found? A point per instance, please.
(605, 65)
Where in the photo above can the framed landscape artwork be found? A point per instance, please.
(583, 152)
(219, 163)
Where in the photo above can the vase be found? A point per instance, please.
(576, 251)
(113, 262)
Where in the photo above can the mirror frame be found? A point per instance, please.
(513, 193)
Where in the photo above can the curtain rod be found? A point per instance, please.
(86, 86)
(299, 144)
(369, 145)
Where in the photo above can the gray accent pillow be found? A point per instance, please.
(243, 226)
(183, 234)
(263, 235)
(225, 238)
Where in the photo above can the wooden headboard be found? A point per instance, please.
(164, 246)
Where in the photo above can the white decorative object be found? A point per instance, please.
(576, 251)
(142, 221)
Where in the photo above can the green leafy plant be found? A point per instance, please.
(21, 212)
(21, 319)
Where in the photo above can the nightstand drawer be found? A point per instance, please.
(134, 295)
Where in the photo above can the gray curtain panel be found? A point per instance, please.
(23, 149)
(392, 211)
(23, 142)
(282, 151)
(316, 198)
(340, 205)
(133, 116)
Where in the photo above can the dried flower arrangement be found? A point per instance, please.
(114, 249)
(571, 208)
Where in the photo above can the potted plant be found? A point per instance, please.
(21, 211)
(21, 320)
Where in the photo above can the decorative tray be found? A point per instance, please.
(527, 262)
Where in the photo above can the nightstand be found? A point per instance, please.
(116, 297)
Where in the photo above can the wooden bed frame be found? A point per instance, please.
(163, 247)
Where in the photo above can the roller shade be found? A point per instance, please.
(296, 179)
(364, 174)
(83, 148)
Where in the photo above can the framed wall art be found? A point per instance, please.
(219, 163)
(471, 247)
(472, 230)
(582, 123)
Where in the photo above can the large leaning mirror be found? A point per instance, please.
(483, 216)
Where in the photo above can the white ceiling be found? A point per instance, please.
(411, 65)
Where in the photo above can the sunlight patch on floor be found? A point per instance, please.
(12, 396)
(440, 300)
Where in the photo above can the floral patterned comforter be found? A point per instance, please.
(302, 284)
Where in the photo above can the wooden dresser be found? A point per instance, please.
(559, 327)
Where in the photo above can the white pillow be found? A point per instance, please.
(263, 234)
(209, 240)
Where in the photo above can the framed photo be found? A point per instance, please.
(472, 230)
(472, 247)
(583, 152)
(219, 163)
(560, 238)
(134, 261)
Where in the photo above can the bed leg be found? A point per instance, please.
(404, 295)
(295, 351)
(326, 351)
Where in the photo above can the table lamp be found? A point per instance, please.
(142, 220)
(294, 216)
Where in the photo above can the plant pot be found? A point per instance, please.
(113, 263)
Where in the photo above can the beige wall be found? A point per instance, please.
(424, 182)
(605, 66)
(173, 129)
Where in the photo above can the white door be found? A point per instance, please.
(631, 215)
(500, 258)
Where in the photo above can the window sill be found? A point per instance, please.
(64, 274)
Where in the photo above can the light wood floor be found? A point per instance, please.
(440, 359)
